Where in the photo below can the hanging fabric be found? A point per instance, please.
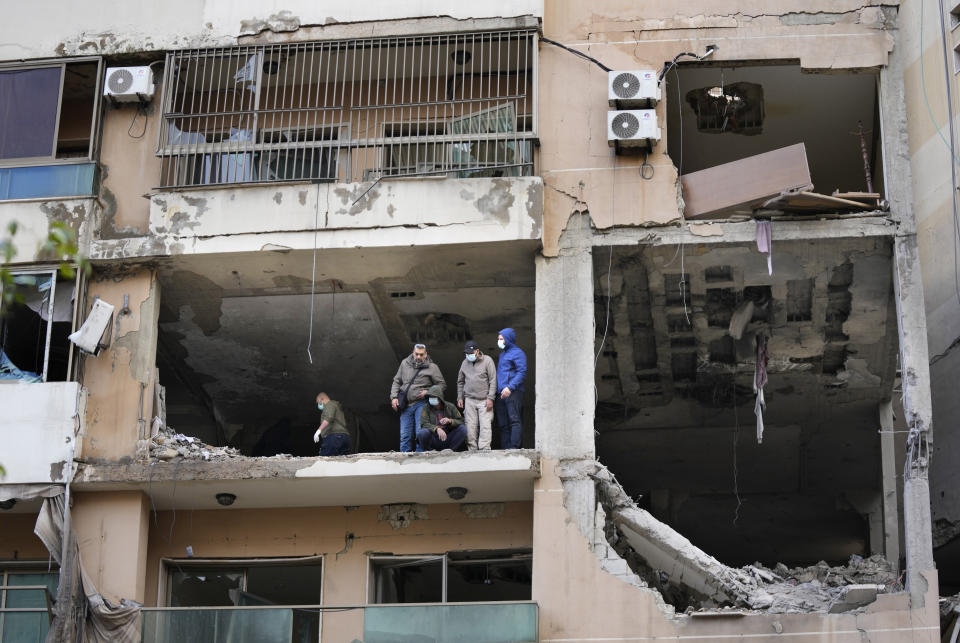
(765, 242)
(760, 381)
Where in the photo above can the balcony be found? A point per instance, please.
(50, 410)
(506, 622)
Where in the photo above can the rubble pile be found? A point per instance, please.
(168, 445)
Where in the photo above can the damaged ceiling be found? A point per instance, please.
(234, 332)
(675, 410)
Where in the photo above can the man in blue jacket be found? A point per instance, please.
(511, 371)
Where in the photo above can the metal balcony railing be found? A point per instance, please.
(25, 613)
(499, 622)
(462, 105)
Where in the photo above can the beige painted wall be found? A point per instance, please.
(118, 377)
(313, 531)
(111, 530)
(580, 170)
(579, 601)
(17, 540)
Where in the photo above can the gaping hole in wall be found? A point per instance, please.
(678, 427)
(235, 331)
(32, 349)
(718, 113)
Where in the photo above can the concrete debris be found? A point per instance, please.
(169, 445)
(950, 617)
(690, 579)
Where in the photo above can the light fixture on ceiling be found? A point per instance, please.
(457, 493)
(7, 505)
(226, 499)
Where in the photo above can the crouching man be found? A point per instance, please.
(441, 426)
(333, 427)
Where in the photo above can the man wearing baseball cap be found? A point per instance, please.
(476, 390)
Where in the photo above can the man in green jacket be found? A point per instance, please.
(441, 426)
(333, 427)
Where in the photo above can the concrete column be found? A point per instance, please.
(888, 482)
(112, 530)
(565, 338)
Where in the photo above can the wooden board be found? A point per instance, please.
(813, 202)
(744, 184)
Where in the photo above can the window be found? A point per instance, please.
(451, 578)
(459, 104)
(48, 121)
(229, 584)
(25, 613)
(33, 333)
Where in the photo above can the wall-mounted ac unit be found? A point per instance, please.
(129, 84)
(632, 128)
(632, 89)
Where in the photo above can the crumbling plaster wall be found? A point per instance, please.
(580, 170)
(102, 27)
(33, 218)
(927, 125)
(120, 380)
(569, 606)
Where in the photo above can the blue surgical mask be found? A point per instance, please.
(434, 401)
(320, 405)
(502, 344)
(472, 357)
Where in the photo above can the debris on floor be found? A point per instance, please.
(691, 580)
(169, 445)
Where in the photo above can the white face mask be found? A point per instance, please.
(471, 357)
(320, 405)
(434, 401)
(502, 344)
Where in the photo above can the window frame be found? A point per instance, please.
(78, 283)
(166, 564)
(93, 147)
(25, 567)
(494, 556)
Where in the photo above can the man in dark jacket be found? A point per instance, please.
(441, 426)
(415, 375)
(511, 371)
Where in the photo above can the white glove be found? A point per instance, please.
(316, 436)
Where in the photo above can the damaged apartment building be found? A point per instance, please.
(699, 219)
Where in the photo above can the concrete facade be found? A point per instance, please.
(654, 497)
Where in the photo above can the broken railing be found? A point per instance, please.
(489, 622)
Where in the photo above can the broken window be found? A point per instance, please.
(25, 603)
(48, 122)
(460, 104)
(33, 331)
(240, 584)
(454, 577)
(817, 133)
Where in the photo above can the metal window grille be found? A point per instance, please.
(460, 105)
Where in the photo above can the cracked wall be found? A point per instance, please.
(121, 379)
(581, 172)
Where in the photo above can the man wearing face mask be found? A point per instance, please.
(476, 390)
(416, 374)
(333, 427)
(511, 371)
(440, 424)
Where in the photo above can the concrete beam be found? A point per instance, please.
(891, 516)
(719, 232)
(565, 347)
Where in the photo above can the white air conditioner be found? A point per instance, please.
(632, 128)
(632, 89)
(129, 84)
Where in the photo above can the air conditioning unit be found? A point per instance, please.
(632, 128)
(632, 89)
(129, 84)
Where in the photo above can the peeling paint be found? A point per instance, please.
(278, 198)
(280, 22)
(302, 197)
(56, 471)
(480, 510)
(497, 202)
(401, 515)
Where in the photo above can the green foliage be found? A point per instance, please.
(60, 243)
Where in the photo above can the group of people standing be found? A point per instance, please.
(429, 422)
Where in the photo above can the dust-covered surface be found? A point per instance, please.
(168, 445)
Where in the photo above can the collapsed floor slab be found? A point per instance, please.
(689, 579)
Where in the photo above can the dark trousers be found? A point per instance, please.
(430, 441)
(509, 418)
(335, 444)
